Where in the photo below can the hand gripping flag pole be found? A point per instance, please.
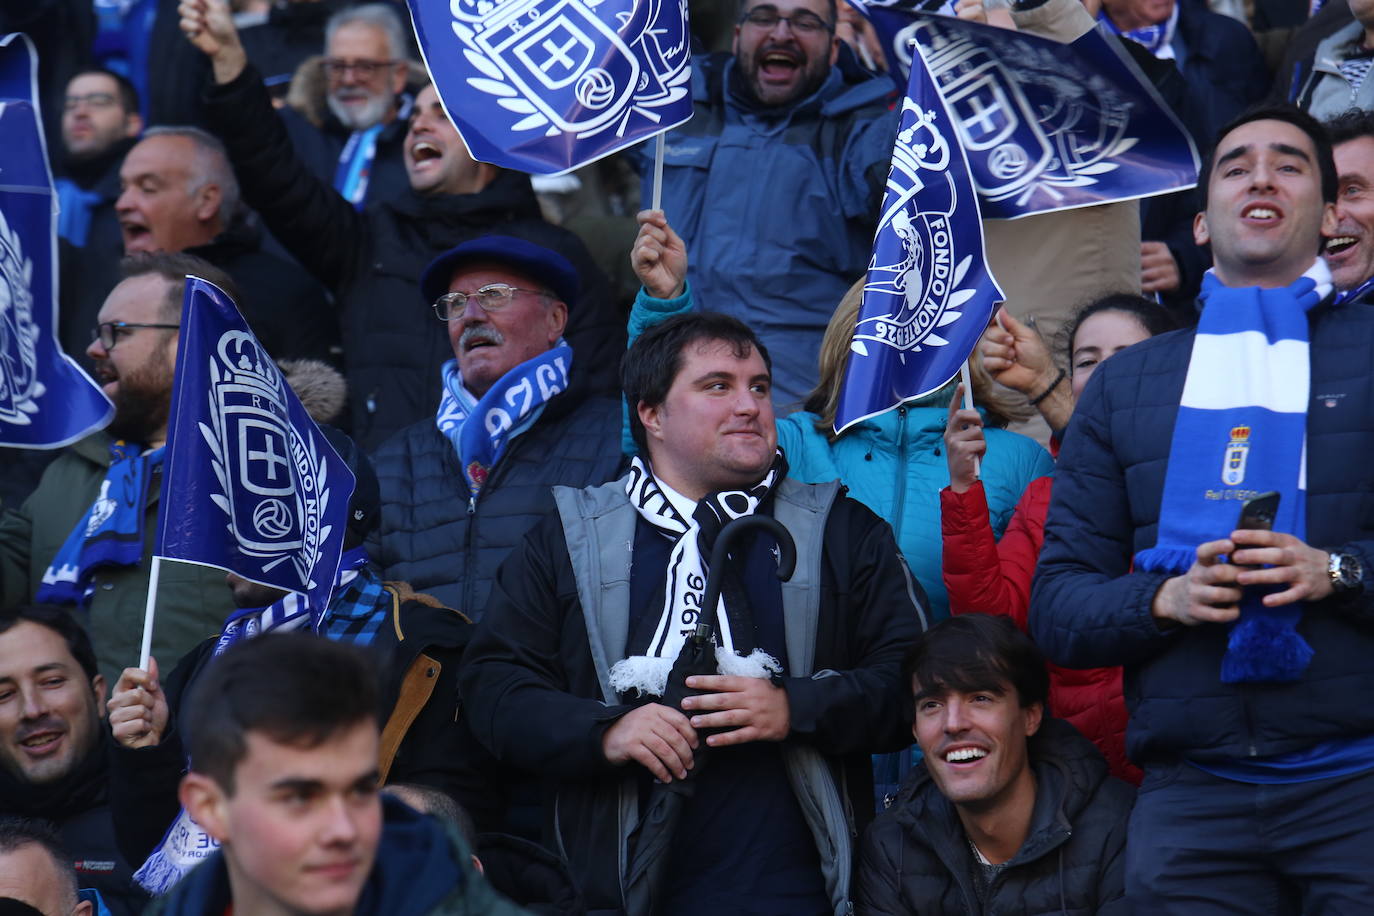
(250, 484)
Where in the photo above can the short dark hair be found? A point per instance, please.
(978, 652)
(18, 832)
(1151, 316)
(174, 267)
(294, 688)
(61, 622)
(1321, 142)
(648, 368)
(128, 93)
(1351, 124)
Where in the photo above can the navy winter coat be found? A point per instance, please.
(433, 538)
(1089, 610)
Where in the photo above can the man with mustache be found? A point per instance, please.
(53, 745)
(84, 537)
(371, 259)
(460, 488)
(566, 676)
(776, 182)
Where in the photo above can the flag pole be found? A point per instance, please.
(147, 649)
(658, 173)
(967, 379)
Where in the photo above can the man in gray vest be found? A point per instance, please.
(566, 675)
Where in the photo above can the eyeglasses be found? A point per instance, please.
(336, 67)
(110, 333)
(492, 298)
(91, 99)
(801, 22)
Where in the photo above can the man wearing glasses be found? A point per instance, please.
(358, 146)
(83, 538)
(460, 488)
(776, 182)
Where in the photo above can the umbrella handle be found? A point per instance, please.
(729, 533)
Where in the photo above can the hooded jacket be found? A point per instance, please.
(778, 206)
(393, 344)
(916, 856)
(422, 869)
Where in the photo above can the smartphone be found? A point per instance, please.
(1258, 512)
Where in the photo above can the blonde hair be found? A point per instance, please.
(1001, 405)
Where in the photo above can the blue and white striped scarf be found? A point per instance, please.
(185, 844)
(1157, 39)
(1241, 431)
(481, 429)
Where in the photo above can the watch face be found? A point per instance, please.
(1348, 570)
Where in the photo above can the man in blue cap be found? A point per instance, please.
(460, 489)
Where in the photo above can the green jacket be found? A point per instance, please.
(192, 600)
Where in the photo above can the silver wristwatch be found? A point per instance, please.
(1346, 571)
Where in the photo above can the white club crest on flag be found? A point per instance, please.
(545, 86)
(929, 292)
(257, 488)
(46, 400)
(280, 513)
(19, 384)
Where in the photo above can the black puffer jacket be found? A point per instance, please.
(916, 857)
(1089, 609)
(429, 534)
(393, 345)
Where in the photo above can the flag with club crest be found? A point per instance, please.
(250, 484)
(547, 86)
(929, 293)
(1046, 125)
(46, 401)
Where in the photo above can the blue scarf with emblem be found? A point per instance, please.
(480, 430)
(111, 531)
(1242, 431)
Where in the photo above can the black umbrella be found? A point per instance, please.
(651, 838)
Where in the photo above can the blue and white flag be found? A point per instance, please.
(250, 483)
(1046, 125)
(547, 86)
(929, 293)
(46, 401)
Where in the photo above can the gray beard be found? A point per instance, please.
(359, 118)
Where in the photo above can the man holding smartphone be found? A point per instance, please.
(1246, 651)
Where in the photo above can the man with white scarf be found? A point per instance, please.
(1245, 650)
(564, 676)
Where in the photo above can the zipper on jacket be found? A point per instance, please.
(901, 474)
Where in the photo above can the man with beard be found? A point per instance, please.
(359, 146)
(776, 182)
(100, 122)
(372, 259)
(53, 745)
(83, 537)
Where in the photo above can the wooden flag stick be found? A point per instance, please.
(147, 650)
(967, 379)
(658, 173)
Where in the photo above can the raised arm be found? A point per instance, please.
(320, 229)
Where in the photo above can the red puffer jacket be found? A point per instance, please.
(985, 576)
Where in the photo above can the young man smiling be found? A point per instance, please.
(1245, 650)
(1009, 809)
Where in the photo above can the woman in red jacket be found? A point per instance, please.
(986, 576)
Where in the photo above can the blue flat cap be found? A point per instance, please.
(547, 267)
